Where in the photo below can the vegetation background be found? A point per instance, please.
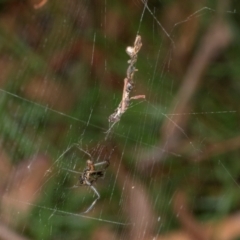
(175, 169)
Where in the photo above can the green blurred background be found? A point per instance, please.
(174, 158)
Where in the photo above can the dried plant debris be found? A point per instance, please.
(128, 84)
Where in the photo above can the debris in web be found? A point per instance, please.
(128, 84)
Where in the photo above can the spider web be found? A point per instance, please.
(52, 101)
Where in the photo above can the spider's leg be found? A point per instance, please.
(94, 202)
(102, 163)
(74, 145)
(65, 152)
(84, 151)
(69, 170)
(68, 149)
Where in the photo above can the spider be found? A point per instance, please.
(91, 175)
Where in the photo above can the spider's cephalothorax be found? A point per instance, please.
(90, 175)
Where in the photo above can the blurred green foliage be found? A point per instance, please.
(63, 67)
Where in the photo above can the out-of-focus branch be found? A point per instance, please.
(136, 202)
(23, 187)
(39, 4)
(225, 229)
(8, 234)
(192, 227)
(216, 39)
(218, 148)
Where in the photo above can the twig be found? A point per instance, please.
(128, 84)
